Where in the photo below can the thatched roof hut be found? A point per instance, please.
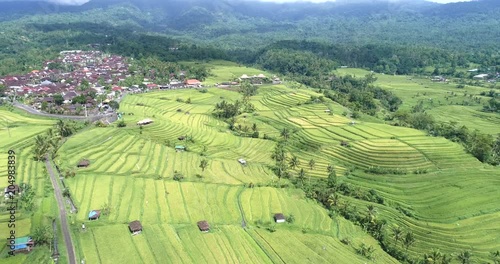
(135, 227)
(279, 218)
(83, 163)
(203, 226)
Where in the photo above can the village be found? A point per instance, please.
(80, 82)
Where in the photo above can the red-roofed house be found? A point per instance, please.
(192, 83)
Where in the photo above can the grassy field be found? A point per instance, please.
(16, 133)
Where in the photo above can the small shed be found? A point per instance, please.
(203, 226)
(83, 163)
(180, 148)
(12, 189)
(22, 244)
(135, 227)
(279, 218)
(94, 214)
(242, 161)
(145, 122)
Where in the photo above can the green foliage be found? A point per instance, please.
(42, 235)
(178, 176)
(121, 123)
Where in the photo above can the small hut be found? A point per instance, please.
(181, 138)
(242, 161)
(83, 163)
(203, 226)
(135, 227)
(12, 189)
(145, 122)
(344, 144)
(279, 218)
(94, 214)
(21, 244)
(179, 148)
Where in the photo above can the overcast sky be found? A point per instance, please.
(76, 2)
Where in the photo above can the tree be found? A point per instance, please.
(203, 164)
(41, 147)
(42, 235)
(330, 168)
(302, 175)
(254, 127)
(285, 133)
(397, 234)
(294, 162)
(332, 179)
(58, 99)
(464, 257)
(312, 163)
(408, 240)
(114, 105)
(64, 128)
(371, 213)
(495, 256)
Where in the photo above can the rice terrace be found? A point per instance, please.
(350, 188)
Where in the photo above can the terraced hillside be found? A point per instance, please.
(16, 133)
(442, 194)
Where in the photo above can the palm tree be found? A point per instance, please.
(333, 200)
(41, 147)
(408, 240)
(446, 259)
(312, 163)
(203, 164)
(397, 234)
(372, 211)
(332, 179)
(436, 255)
(495, 256)
(464, 257)
(285, 133)
(302, 176)
(294, 162)
(330, 168)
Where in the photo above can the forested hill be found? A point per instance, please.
(250, 24)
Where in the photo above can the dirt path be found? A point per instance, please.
(62, 213)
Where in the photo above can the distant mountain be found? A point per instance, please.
(237, 22)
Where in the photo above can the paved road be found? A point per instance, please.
(36, 112)
(62, 213)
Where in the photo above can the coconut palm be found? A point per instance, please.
(408, 240)
(203, 164)
(312, 162)
(397, 234)
(302, 176)
(285, 133)
(294, 162)
(464, 257)
(330, 168)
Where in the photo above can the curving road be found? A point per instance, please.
(62, 213)
(36, 112)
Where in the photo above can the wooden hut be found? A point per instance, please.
(203, 226)
(94, 214)
(12, 189)
(279, 218)
(21, 244)
(83, 163)
(135, 227)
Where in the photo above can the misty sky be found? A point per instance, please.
(76, 2)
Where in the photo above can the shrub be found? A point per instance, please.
(121, 123)
(178, 176)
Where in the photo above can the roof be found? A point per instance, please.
(145, 121)
(95, 214)
(84, 162)
(179, 147)
(203, 225)
(242, 161)
(192, 81)
(22, 240)
(279, 216)
(244, 76)
(261, 76)
(135, 226)
(14, 189)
